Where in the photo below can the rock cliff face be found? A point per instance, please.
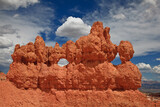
(90, 68)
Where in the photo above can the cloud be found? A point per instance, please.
(5, 43)
(143, 66)
(25, 27)
(153, 2)
(15, 4)
(158, 59)
(119, 16)
(50, 43)
(5, 56)
(156, 69)
(140, 24)
(17, 27)
(7, 29)
(73, 28)
(16, 15)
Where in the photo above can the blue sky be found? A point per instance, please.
(137, 21)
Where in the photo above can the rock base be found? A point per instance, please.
(10, 96)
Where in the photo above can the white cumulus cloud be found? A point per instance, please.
(15, 4)
(143, 66)
(156, 69)
(73, 28)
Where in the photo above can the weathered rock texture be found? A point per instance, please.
(90, 68)
(89, 73)
(2, 76)
(10, 96)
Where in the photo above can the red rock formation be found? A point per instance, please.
(128, 78)
(2, 76)
(10, 96)
(89, 68)
(35, 66)
(125, 50)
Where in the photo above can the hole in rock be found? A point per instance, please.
(117, 60)
(62, 62)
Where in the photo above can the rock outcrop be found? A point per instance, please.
(90, 79)
(90, 68)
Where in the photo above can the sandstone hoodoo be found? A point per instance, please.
(36, 65)
(89, 72)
